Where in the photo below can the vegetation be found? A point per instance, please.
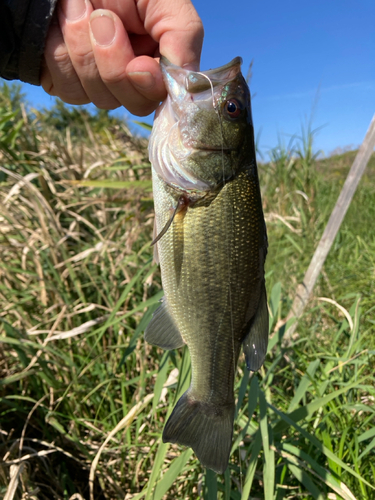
(83, 399)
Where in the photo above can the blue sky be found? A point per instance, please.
(311, 58)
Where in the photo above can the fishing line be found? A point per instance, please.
(216, 108)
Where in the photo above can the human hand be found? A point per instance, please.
(110, 57)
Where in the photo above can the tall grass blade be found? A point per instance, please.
(160, 379)
(146, 318)
(306, 411)
(321, 473)
(170, 476)
(323, 449)
(304, 384)
(256, 447)
(269, 454)
(227, 485)
(124, 422)
(156, 469)
(184, 375)
(279, 335)
(242, 392)
(369, 447)
(211, 485)
(304, 478)
(76, 218)
(275, 302)
(107, 184)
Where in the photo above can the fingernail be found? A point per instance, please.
(102, 27)
(73, 10)
(142, 79)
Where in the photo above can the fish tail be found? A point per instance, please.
(204, 427)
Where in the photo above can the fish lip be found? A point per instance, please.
(190, 81)
(193, 150)
(208, 149)
(234, 62)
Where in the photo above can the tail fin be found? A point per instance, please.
(206, 428)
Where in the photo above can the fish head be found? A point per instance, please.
(203, 132)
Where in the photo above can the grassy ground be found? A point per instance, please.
(83, 399)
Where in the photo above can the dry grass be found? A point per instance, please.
(81, 391)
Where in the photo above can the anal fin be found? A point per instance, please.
(162, 330)
(256, 340)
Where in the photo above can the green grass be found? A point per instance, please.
(83, 396)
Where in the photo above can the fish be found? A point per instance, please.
(211, 242)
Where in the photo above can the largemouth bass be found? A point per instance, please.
(211, 243)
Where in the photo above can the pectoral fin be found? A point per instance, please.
(162, 331)
(256, 339)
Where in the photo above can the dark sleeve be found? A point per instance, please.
(23, 31)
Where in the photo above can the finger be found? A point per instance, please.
(58, 76)
(74, 19)
(143, 45)
(177, 27)
(135, 82)
(145, 75)
(126, 10)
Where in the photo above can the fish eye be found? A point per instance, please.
(233, 108)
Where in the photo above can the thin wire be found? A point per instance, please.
(216, 108)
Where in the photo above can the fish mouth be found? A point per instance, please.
(198, 81)
(213, 148)
(203, 151)
(236, 61)
(207, 150)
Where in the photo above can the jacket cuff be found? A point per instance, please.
(23, 38)
(33, 40)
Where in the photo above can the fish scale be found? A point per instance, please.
(211, 254)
